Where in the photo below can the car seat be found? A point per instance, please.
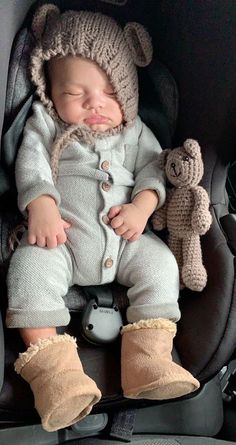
(207, 331)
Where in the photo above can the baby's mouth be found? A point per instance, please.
(96, 120)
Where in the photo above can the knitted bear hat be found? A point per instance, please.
(93, 36)
(96, 37)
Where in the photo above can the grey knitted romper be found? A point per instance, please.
(91, 179)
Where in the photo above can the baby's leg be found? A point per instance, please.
(31, 336)
(150, 271)
(38, 278)
(37, 281)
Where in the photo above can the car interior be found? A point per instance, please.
(188, 91)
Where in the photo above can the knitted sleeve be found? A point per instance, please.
(33, 171)
(147, 173)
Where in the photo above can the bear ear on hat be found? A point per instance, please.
(192, 147)
(139, 42)
(42, 18)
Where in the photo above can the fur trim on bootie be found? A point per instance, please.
(63, 393)
(147, 368)
(151, 323)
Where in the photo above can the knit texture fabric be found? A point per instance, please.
(185, 212)
(96, 37)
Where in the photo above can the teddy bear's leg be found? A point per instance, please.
(175, 245)
(194, 274)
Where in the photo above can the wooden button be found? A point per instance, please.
(105, 219)
(106, 186)
(105, 165)
(108, 263)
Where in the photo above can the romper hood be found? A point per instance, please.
(97, 37)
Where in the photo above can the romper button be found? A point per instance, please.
(105, 219)
(105, 165)
(106, 186)
(108, 263)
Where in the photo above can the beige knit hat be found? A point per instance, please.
(96, 37)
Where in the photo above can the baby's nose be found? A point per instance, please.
(94, 101)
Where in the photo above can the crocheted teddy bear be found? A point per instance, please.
(185, 212)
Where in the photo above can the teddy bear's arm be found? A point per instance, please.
(201, 218)
(159, 218)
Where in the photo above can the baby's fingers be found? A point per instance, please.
(117, 222)
(128, 234)
(135, 237)
(114, 211)
(41, 241)
(31, 238)
(61, 238)
(52, 242)
(121, 230)
(66, 224)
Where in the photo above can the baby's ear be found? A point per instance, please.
(139, 42)
(192, 147)
(163, 158)
(44, 17)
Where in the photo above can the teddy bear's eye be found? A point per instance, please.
(185, 158)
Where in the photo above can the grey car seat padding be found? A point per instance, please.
(12, 17)
(157, 440)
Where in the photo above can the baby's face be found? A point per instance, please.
(82, 93)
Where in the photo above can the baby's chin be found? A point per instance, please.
(99, 127)
(93, 127)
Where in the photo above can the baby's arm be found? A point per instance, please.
(46, 228)
(38, 198)
(129, 220)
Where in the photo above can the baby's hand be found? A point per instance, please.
(128, 221)
(46, 228)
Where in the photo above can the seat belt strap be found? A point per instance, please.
(123, 425)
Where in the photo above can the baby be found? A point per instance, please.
(88, 180)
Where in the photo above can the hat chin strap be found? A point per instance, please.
(81, 133)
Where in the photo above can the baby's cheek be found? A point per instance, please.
(69, 112)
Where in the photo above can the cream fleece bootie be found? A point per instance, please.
(63, 393)
(147, 369)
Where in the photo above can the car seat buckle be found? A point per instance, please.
(101, 320)
(228, 381)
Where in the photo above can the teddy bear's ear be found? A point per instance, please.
(139, 42)
(192, 147)
(163, 158)
(44, 15)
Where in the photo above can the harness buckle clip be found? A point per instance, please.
(101, 323)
